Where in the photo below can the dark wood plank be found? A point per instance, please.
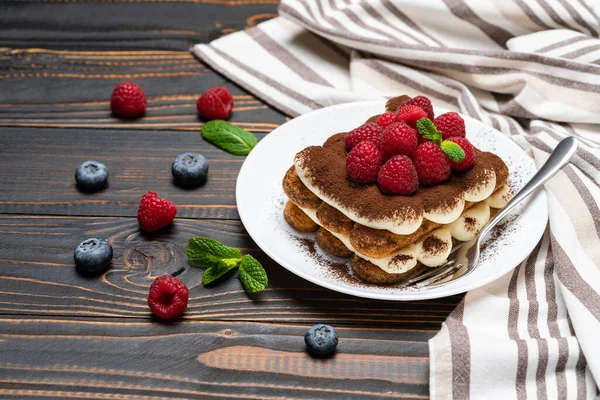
(37, 172)
(126, 24)
(118, 359)
(71, 89)
(37, 277)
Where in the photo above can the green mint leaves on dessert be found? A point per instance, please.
(229, 137)
(219, 259)
(453, 151)
(428, 130)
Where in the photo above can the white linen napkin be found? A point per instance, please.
(531, 69)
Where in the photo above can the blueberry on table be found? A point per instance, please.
(189, 170)
(93, 255)
(91, 176)
(321, 339)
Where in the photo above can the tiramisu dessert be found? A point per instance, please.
(397, 192)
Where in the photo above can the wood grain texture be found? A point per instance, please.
(119, 359)
(37, 277)
(64, 335)
(37, 172)
(71, 89)
(125, 24)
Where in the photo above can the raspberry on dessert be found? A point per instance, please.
(363, 163)
(215, 103)
(155, 213)
(168, 297)
(431, 164)
(410, 115)
(450, 124)
(397, 139)
(424, 103)
(369, 131)
(398, 176)
(386, 119)
(469, 159)
(128, 100)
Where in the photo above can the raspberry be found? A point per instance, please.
(450, 124)
(155, 213)
(431, 164)
(424, 103)
(398, 138)
(398, 176)
(386, 119)
(215, 103)
(410, 115)
(469, 159)
(128, 100)
(363, 162)
(168, 297)
(369, 131)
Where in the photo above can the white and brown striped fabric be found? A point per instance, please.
(531, 69)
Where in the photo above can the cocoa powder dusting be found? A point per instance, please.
(400, 258)
(326, 165)
(434, 245)
(470, 224)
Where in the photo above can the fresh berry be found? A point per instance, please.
(369, 131)
(431, 164)
(168, 297)
(215, 103)
(397, 139)
(189, 169)
(93, 255)
(410, 115)
(155, 213)
(424, 103)
(386, 119)
(398, 176)
(450, 124)
(469, 159)
(91, 176)
(321, 339)
(363, 163)
(128, 100)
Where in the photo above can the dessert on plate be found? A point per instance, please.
(396, 193)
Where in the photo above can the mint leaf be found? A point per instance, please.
(453, 151)
(428, 130)
(229, 137)
(215, 272)
(252, 274)
(208, 253)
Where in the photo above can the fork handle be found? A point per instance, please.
(560, 157)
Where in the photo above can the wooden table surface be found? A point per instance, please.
(63, 335)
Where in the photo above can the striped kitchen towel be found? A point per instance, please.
(531, 69)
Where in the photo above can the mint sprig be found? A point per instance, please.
(453, 151)
(219, 259)
(229, 137)
(428, 130)
(252, 274)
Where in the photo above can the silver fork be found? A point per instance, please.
(468, 252)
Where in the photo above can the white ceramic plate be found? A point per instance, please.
(260, 201)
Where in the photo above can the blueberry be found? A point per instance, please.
(93, 255)
(189, 169)
(91, 176)
(321, 339)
